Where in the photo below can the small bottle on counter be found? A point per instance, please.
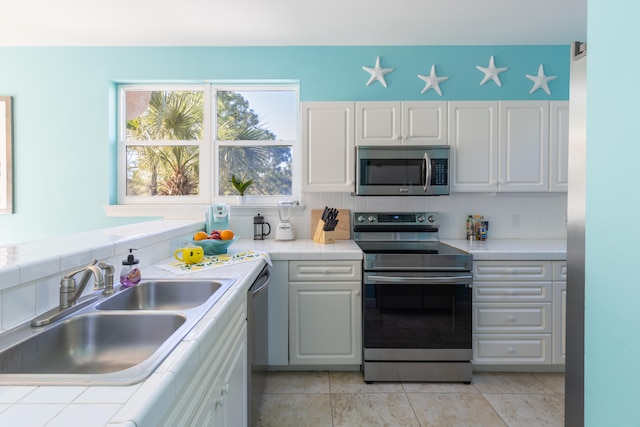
(130, 274)
(476, 226)
(469, 227)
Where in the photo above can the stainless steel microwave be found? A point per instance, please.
(402, 170)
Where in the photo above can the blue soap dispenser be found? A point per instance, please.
(130, 274)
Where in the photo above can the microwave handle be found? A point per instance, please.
(426, 172)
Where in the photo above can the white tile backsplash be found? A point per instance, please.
(30, 272)
(9, 276)
(540, 215)
(47, 294)
(38, 265)
(18, 305)
(38, 268)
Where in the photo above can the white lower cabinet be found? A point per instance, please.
(325, 313)
(216, 394)
(515, 313)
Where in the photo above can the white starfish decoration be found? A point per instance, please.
(540, 81)
(377, 73)
(491, 73)
(432, 81)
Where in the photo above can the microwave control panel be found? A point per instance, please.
(440, 175)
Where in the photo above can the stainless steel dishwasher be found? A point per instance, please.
(257, 320)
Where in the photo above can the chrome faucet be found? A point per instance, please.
(70, 291)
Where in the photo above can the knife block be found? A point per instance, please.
(323, 237)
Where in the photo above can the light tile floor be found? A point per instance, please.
(341, 399)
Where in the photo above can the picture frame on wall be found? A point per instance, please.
(6, 174)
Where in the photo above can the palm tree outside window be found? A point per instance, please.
(182, 143)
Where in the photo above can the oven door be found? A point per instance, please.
(414, 316)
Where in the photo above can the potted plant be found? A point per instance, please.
(241, 185)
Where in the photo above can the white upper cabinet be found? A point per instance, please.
(559, 146)
(328, 150)
(473, 136)
(524, 146)
(496, 146)
(508, 146)
(378, 123)
(401, 123)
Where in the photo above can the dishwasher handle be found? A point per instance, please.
(261, 283)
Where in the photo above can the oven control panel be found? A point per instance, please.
(398, 218)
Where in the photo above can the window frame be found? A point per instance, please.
(209, 146)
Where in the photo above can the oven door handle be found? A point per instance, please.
(425, 280)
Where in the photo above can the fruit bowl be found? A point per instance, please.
(214, 246)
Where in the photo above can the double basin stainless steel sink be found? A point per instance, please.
(120, 339)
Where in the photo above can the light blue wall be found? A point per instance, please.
(64, 103)
(612, 284)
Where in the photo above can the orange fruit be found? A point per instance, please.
(200, 235)
(226, 234)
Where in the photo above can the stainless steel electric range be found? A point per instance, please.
(417, 299)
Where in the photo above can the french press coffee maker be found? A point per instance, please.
(259, 227)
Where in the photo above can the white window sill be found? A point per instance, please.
(191, 212)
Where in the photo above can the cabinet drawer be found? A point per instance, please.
(560, 271)
(303, 271)
(532, 349)
(512, 270)
(512, 291)
(512, 318)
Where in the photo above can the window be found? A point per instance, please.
(181, 144)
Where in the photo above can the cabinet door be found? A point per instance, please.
(233, 387)
(559, 321)
(559, 146)
(325, 323)
(424, 123)
(473, 135)
(226, 401)
(328, 149)
(378, 123)
(524, 146)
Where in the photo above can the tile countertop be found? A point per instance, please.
(302, 249)
(127, 405)
(513, 249)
